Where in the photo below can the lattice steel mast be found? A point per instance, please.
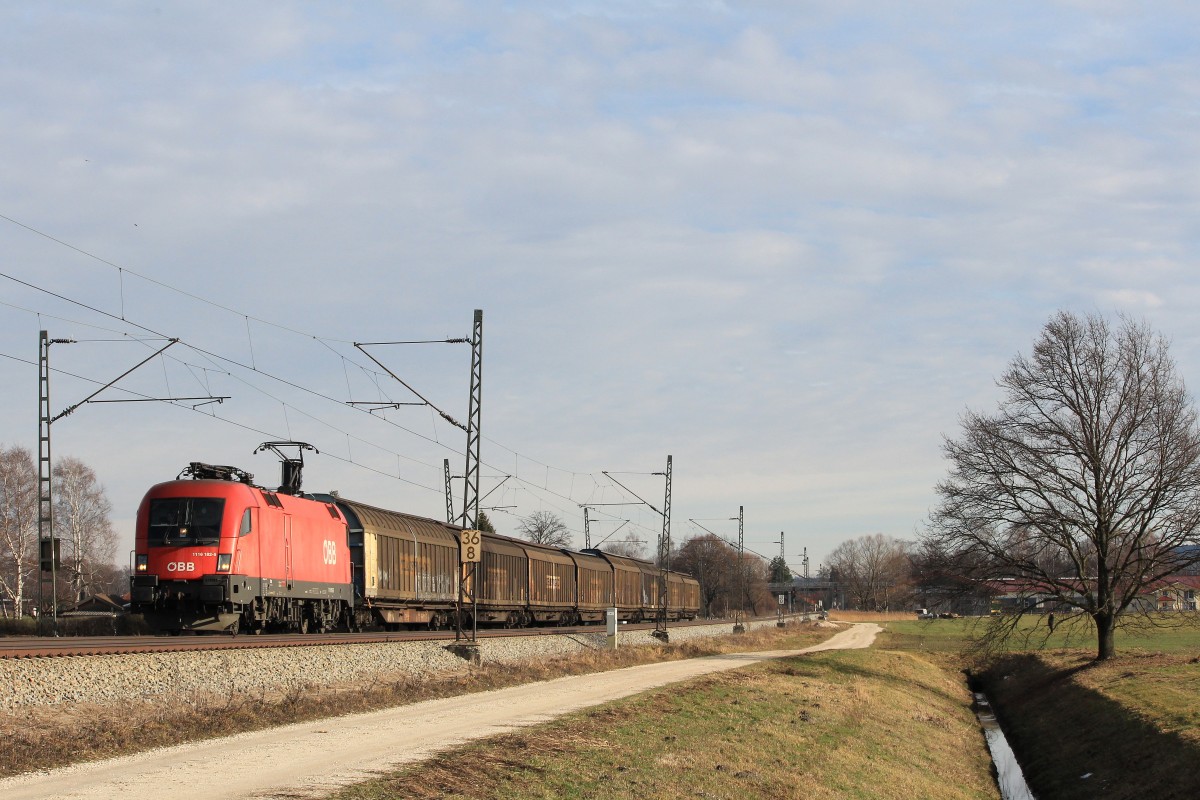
(738, 626)
(48, 550)
(664, 562)
(474, 416)
(48, 563)
(449, 497)
(470, 512)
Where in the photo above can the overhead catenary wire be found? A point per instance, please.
(324, 341)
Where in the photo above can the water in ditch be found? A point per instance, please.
(1008, 771)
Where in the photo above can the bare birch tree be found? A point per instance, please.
(81, 520)
(1085, 483)
(18, 524)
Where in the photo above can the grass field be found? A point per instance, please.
(850, 724)
(1130, 725)
(890, 722)
(1165, 634)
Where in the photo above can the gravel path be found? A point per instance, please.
(310, 759)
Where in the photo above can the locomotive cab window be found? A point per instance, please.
(185, 520)
(245, 528)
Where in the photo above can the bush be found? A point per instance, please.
(99, 625)
(24, 626)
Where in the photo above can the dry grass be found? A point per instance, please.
(45, 737)
(855, 724)
(1131, 725)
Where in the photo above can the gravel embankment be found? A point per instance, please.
(113, 679)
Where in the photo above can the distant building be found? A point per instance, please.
(1177, 593)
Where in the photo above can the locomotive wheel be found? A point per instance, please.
(303, 625)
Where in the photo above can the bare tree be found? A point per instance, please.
(712, 562)
(18, 524)
(110, 579)
(758, 594)
(873, 570)
(630, 548)
(544, 527)
(81, 520)
(1085, 484)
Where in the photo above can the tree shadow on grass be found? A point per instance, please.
(1075, 743)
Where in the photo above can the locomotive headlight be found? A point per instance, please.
(223, 562)
(143, 563)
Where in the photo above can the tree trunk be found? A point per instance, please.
(1105, 627)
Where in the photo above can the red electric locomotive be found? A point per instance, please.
(217, 553)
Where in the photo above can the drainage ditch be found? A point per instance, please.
(1008, 772)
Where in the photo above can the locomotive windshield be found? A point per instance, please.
(186, 520)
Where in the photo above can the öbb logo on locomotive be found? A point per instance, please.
(285, 560)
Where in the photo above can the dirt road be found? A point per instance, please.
(313, 758)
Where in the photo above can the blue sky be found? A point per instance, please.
(786, 243)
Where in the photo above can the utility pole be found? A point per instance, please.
(474, 417)
(738, 626)
(779, 598)
(467, 593)
(48, 545)
(664, 559)
(449, 497)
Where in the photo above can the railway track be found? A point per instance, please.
(47, 647)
